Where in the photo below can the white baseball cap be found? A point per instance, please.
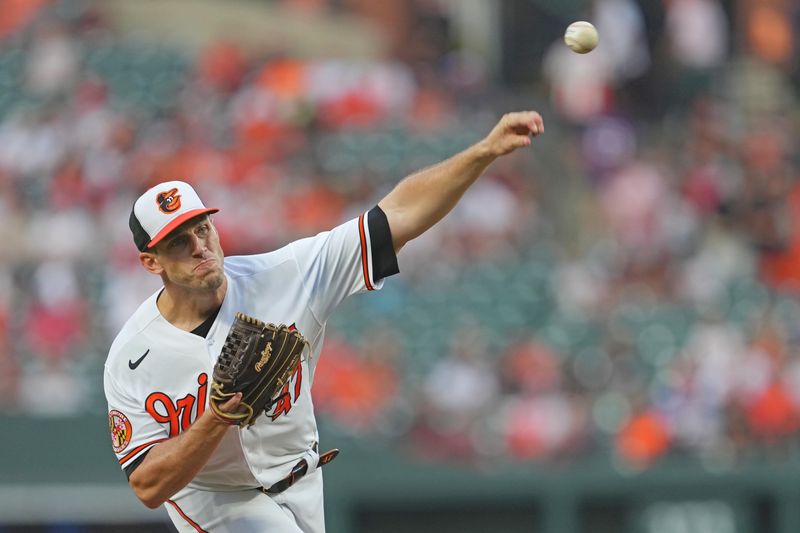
(161, 209)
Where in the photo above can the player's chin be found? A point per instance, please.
(210, 279)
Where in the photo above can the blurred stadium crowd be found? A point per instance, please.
(628, 288)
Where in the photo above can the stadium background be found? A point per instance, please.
(602, 337)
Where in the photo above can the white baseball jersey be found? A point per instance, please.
(157, 377)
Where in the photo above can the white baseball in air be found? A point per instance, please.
(581, 37)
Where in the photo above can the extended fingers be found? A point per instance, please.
(528, 122)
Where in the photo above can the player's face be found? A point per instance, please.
(191, 256)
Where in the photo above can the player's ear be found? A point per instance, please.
(150, 263)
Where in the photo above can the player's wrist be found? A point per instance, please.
(217, 419)
(483, 151)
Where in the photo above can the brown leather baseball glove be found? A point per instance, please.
(257, 359)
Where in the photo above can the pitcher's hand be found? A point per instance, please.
(514, 130)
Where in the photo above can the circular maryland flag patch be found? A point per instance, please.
(120, 428)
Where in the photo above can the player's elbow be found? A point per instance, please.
(147, 493)
(150, 499)
(152, 504)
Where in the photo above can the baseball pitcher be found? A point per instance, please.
(209, 382)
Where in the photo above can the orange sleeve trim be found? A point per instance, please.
(139, 448)
(364, 260)
(191, 522)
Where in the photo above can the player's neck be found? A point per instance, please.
(186, 308)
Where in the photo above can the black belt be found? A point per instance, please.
(298, 471)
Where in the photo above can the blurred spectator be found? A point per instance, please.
(487, 218)
(643, 440)
(9, 369)
(543, 427)
(539, 420)
(458, 391)
(772, 415)
(31, 146)
(767, 404)
(581, 86)
(767, 204)
(53, 61)
(358, 388)
(323, 207)
(769, 29)
(55, 322)
(702, 382)
(607, 144)
(67, 391)
(636, 201)
(530, 366)
(222, 66)
(621, 25)
(698, 33)
(17, 13)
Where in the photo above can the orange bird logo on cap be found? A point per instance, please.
(169, 201)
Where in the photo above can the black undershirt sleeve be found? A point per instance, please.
(135, 464)
(384, 260)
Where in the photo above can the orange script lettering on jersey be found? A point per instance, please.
(178, 414)
(285, 400)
